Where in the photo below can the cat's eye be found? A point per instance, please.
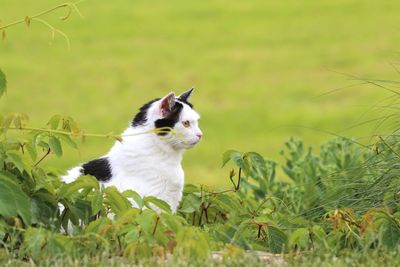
(186, 123)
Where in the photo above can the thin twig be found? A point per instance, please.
(235, 187)
(201, 213)
(219, 193)
(69, 5)
(239, 177)
(194, 218)
(45, 155)
(155, 226)
(72, 134)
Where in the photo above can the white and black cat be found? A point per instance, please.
(149, 164)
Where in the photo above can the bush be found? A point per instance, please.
(345, 197)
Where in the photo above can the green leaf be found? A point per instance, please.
(35, 239)
(58, 244)
(67, 140)
(14, 158)
(46, 196)
(133, 235)
(54, 121)
(127, 217)
(3, 83)
(83, 182)
(192, 244)
(7, 122)
(31, 148)
(20, 120)
(97, 202)
(245, 224)
(276, 239)
(174, 223)
(190, 204)
(231, 155)
(161, 204)
(391, 234)
(135, 196)
(257, 162)
(97, 225)
(228, 202)
(190, 188)
(299, 238)
(42, 211)
(13, 201)
(116, 200)
(147, 220)
(55, 146)
(81, 209)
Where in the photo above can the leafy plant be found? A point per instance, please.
(346, 197)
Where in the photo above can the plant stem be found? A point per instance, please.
(157, 130)
(201, 213)
(37, 15)
(45, 155)
(155, 226)
(235, 187)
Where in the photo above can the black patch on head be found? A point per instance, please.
(99, 168)
(141, 117)
(171, 119)
(186, 102)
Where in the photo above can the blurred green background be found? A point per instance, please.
(259, 68)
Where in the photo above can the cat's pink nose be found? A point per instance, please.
(199, 136)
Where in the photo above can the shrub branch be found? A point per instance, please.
(69, 6)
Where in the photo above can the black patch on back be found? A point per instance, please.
(171, 119)
(99, 168)
(140, 118)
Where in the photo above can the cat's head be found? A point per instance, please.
(172, 112)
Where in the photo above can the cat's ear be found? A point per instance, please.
(166, 103)
(186, 95)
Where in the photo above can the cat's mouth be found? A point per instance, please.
(192, 144)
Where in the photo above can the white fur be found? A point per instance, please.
(151, 164)
(72, 174)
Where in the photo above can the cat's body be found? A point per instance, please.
(150, 163)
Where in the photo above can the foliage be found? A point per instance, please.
(345, 197)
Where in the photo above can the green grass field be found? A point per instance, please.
(258, 66)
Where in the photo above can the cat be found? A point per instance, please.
(150, 163)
